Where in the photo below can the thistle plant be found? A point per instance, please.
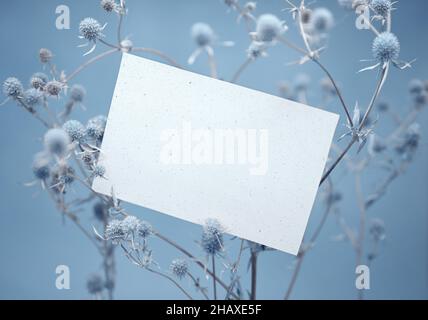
(70, 150)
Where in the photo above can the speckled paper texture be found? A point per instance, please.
(271, 207)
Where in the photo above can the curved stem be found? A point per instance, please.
(89, 62)
(172, 280)
(243, 66)
(159, 54)
(108, 44)
(253, 275)
(200, 264)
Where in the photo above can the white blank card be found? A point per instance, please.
(197, 148)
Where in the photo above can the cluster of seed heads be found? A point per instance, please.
(130, 227)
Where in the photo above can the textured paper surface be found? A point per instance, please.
(271, 208)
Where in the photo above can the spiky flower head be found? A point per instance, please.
(202, 34)
(269, 28)
(409, 142)
(108, 5)
(75, 130)
(98, 171)
(133, 226)
(77, 93)
(40, 166)
(381, 7)
(145, 230)
(45, 55)
(90, 29)
(38, 80)
(100, 210)
(62, 176)
(386, 47)
(256, 50)
(95, 284)
(322, 20)
(96, 126)
(53, 88)
(114, 231)
(57, 141)
(33, 97)
(13, 88)
(179, 268)
(212, 237)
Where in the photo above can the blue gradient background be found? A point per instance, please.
(33, 239)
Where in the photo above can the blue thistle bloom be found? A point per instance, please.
(98, 171)
(269, 28)
(39, 80)
(90, 29)
(45, 55)
(381, 7)
(96, 126)
(75, 130)
(57, 142)
(33, 97)
(114, 231)
(145, 229)
(108, 5)
(130, 225)
(77, 93)
(53, 88)
(13, 88)
(179, 268)
(202, 34)
(322, 20)
(40, 166)
(386, 47)
(212, 237)
(95, 284)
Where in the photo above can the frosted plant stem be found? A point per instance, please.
(339, 94)
(33, 113)
(172, 280)
(119, 29)
(381, 82)
(314, 237)
(362, 227)
(108, 44)
(199, 263)
(238, 73)
(214, 277)
(158, 53)
(89, 62)
(213, 65)
(196, 283)
(253, 258)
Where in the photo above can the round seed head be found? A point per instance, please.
(179, 268)
(56, 142)
(386, 47)
(38, 80)
(212, 237)
(90, 29)
(77, 93)
(95, 284)
(75, 130)
(40, 166)
(33, 97)
(202, 34)
(268, 28)
(53, 88)
(45, 55)
(381, 7)
(322, 20)
(108, 5)
(12, 87)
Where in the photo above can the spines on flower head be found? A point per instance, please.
(33, 97)
(322, 20)
(96, 126)
(179, 268)
(129, 227)
(13, 88)
(45, 55)
(269, 28)
(202, 34)
(54, 88)
(382, 8)
(57, 142)
(40, 166)
(108, 5)
(75, 130)
(212, 237)
(90, 29)
(77, 93)
(114, 231)
(39, 80)
(386, 47)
